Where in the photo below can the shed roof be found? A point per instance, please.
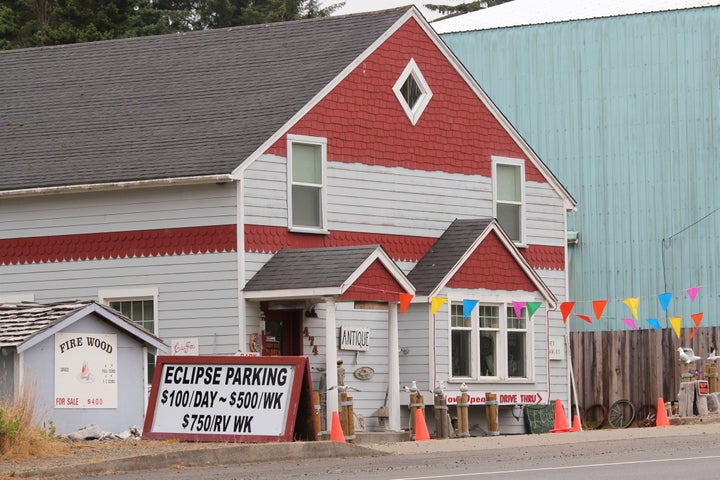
(174, 106)
(25, 324)
(533, 12)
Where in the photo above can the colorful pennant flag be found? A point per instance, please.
(692, 334)
(518, 306)
(437, 302)
(584, 317)
(665, 300)
(676, 322)
(633, 304)
(468, 306)
(654, 323)
(630, 323)
(599, 307)
(565, 309)
(692, 292)
(532, 307)
(405, 299)
(697, 318)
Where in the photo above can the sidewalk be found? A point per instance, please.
(149, 455)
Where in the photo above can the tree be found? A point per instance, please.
(32, 23)
(453, 10)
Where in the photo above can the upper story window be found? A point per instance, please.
(509, 196)
(491, 344)
(306, 183)
(412, 91)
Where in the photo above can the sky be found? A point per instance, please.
(356, 6)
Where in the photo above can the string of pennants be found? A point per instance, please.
(566, 308)
(469, 305)
(633, 304)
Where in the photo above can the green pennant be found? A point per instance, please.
(532, 308)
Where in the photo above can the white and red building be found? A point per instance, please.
(281, 189)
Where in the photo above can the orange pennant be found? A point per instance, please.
(599, 307)
(405, 299)
(565, 309)
(697, 318)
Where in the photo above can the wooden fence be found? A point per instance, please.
(635, 365)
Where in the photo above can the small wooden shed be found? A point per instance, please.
(82, 363)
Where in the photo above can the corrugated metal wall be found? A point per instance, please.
(626, 112)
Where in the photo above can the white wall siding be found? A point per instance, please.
(118, 210)
(197, 294)
(399, 201)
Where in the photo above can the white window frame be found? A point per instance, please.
(426, 94)
(513, 162)
(316, 141)
(105, 296)
(501, 347)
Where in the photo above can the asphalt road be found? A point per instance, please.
(690, 455)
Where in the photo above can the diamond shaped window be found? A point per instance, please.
(412, 91)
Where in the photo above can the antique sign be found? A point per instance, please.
(354, 338)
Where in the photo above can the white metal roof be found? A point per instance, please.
(532, 12)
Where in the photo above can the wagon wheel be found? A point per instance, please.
(646, 416)
(621, 414)
(594, 416)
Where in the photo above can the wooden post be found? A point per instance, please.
(711, 373)
(686, 398)
(347, 417)
(442, 426)
(462, 414)
(416, 401)
(491, 411)
(316, 411)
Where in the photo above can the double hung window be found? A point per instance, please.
(509, 205)
(306, 183)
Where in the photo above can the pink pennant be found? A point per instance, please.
(565, 309)
(584, 317)
(692, 292)
(518, 306)
(630, 323)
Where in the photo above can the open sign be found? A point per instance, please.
(703, 387)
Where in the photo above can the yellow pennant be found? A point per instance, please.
(633, 304)
(675, 322)
(437, 302)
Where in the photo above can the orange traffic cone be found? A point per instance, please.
(561, 425)
(576, 424)
(336, 432)
(661, 419)
(421, 430)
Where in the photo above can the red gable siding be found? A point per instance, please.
(375, 284)
(491, 267)
(364, 123)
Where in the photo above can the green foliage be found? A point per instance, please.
(452, 10)
(32, 23)
(9, 427)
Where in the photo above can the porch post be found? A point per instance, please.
(331, 360)
(393, 369)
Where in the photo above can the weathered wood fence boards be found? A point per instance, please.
(635, 365)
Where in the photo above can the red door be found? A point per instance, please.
(283, 333)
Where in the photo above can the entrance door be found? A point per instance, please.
(283, 333)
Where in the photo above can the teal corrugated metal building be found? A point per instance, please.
(626, 112)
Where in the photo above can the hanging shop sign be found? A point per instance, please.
(354, 338)
(230, 398)
(86, 370)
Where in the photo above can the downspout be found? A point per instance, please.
(240, 242)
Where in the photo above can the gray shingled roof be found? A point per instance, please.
(309, 268)
(169, 106)
(445, 253)
(19, 322)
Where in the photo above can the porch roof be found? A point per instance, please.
(317, 272)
